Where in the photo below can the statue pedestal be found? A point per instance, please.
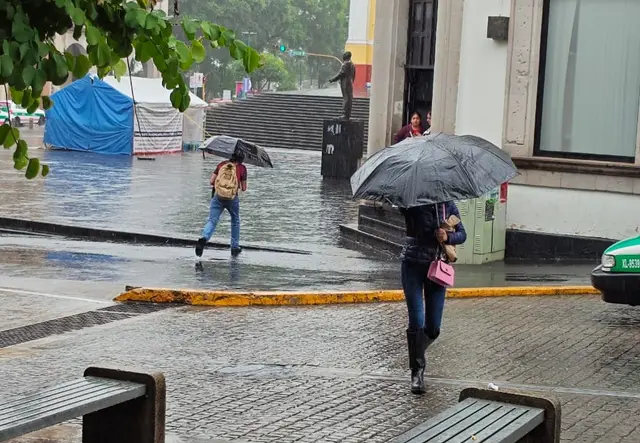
(342, 147)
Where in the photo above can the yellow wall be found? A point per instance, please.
(362, 53)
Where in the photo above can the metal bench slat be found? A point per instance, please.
(500, 418)
(79, 406)
(52, 409)
(455, 413)
(54, 395)
(36, 407)
(451, 427)
(42, 393)
(515, 430)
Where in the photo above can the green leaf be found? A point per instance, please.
(43, 49)
(46, 102)
(131, 18)
(28, 73)
(120, 69)
(176, 98)
(146, 52)
(71, 60)
(183, 51)
(5, 130)
(104, 54)
(26, 98)
(151, 23)
(22, 150)
(16, 95)
(33, 168)
(93, 35)
(210, 31)
(20, 163)
(33, 107)
(24, 48)
(252, 60)
(5, 47)
(82, 66)
(78, 17)
(45, 170)
(11, 139)
(62, 70)
(190, 27)
(198, 51)
(141, 17)
(6, 65)
(39, 80)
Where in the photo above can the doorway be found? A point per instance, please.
(421, 48)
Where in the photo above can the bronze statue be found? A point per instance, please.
(346, 76)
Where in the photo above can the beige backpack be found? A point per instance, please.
(226, 184)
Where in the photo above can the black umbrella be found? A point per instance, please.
(225, 146)
(433, 169)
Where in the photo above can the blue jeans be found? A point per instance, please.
(425, 299)
(215, 211)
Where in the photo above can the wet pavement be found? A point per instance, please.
(337, 373)
(288, 206)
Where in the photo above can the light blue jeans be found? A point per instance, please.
(215, 211)
(425, 299)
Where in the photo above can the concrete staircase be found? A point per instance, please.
(275, 120)
(380, 229)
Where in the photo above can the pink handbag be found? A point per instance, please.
(441, 272)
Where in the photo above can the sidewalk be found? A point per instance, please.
(338, 373)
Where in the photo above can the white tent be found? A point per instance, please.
(164, 128)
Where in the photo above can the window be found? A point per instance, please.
(589, 96)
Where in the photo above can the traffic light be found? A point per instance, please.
(282, 48)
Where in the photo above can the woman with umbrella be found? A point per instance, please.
(424, 176)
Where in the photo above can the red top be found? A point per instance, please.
(241, 171)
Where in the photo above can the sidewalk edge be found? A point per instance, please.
(268, 298)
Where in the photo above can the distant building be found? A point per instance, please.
(360, 41)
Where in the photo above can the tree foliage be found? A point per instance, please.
(113, 29)
(274, 70)
(316, 26)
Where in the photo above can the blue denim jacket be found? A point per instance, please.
(421, 245)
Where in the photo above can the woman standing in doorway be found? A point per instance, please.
(425, 298)
(413, 129)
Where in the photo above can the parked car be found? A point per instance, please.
(618, 276)
(4, 117)
(20, 116)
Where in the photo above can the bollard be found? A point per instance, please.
(30, 123)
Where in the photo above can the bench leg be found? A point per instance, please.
(137, 421)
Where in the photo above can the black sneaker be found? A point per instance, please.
(200, 246)
(236, 251)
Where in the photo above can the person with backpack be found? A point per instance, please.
(227, 180)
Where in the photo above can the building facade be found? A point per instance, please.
(561, 94)
(360, 41)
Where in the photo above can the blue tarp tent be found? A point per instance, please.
(90, 115)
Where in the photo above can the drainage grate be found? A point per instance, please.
(76, 322)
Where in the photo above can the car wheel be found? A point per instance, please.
(16, 122)
(41, 121)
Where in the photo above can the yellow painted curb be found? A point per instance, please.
(230, 298)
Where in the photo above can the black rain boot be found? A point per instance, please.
(417, 342)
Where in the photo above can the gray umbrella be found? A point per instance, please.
(434, 169)
(225, 146)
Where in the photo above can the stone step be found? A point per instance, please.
(361, 239)
(382, 212)
(381, 229)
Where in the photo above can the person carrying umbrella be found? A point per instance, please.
(424, 176)
(229, 177)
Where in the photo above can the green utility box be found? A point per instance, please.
(485, 220)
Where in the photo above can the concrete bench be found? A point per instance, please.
(115, 406)
(484, 416)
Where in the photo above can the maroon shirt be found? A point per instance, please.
(406, 132)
